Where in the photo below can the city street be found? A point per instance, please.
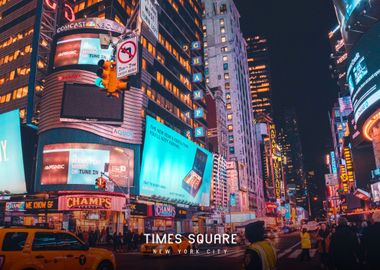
(287, 250)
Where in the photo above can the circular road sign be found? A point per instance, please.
(127, 52)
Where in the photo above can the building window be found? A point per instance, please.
(228, 106)
(221, 21)
(226, 76)
(225, 58)
(223, 39)
(228, 96)
(224, 49)
(225, 66)
(223, 8)
(206, 71)
(222, 30)
(230, 138)
(230, 128)
(227, 86)
(205, 44)
(232, 150)
(229, 116)
(219, 77)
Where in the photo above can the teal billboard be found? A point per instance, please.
(173, 167)
(12, 175)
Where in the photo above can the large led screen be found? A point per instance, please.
(80, 49)
(82, 163)
(12, 175)
(363, 74)
(83, 103)
(174, 167)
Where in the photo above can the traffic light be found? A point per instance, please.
(100, 183)
(108, 79)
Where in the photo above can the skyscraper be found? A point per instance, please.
(260, 77)
(226, 67)
(289, 138)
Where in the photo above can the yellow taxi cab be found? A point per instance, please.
(166, 249)
(45, 249)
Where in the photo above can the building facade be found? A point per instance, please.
(226, 67)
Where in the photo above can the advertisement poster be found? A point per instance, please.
(174, 167)
(81, 164)
(80, 49)
(11, 157)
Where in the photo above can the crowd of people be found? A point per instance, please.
(345, 246)
(121, 242)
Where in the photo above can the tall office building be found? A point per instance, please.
(226, 67)
(289, 138)
(171, 80)
(260, 77)
(27, 28)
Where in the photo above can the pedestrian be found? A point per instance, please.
(323, 239)
(80, 233)
(344, 247)
(260, 254)
(135, 239)
(103, 236)
(115, 242)
(97, 236)
(129, 239)
(305, 244)
(85, 236)
(371, 240)
(120, 242)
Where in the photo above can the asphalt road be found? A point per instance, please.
(228, 258)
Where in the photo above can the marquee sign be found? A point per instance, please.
(91, 202)
(41, 205)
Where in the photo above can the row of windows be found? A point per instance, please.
(174, 52)
(160, 100)
(82, 5)
(174, 89)
(14, 74)
(13, 38)
(14, 55)
(15, 94)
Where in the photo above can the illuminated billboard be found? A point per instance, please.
(363, 75)
(80, 49)
(82, 163)
(11, 160)
(173, 167)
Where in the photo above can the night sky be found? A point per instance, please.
(297, 31)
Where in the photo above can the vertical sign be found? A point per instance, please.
(349, 166)
(127, 58)
(149, 15)
(333, 163)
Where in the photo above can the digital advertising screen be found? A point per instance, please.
(12, 174)
(86, 103)
(363, 74)
(80, 49)
(174, 167)
(82, 163)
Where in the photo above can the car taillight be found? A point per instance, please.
(2, 262)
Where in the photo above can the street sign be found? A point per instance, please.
(127, 58)
(110, 187)
(149, 15)
(331, 179)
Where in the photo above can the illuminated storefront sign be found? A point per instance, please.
(197, 77)
(92, 23)
(15, 206)
(164, 211)
(69, 12)
(196, 61)
(196, 45)
(199, 132)
(198, 94)
(343, 178)
(198, 113)
(349, 165)
(334, 169)
(91, 202)
(35, 206)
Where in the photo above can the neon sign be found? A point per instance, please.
(69, 12)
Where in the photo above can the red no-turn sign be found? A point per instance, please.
(127, 58)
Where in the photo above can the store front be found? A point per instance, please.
(137, 219)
